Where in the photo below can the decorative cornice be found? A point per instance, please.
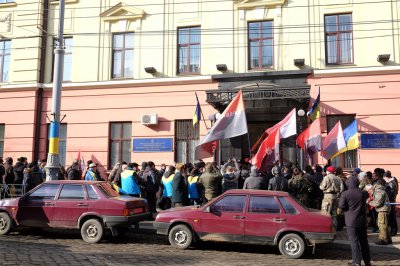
(122, 11)
(248, 4)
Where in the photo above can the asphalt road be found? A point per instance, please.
(55, 247)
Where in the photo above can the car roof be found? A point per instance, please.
(74, 182)
(257, 192)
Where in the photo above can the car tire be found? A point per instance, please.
(5, 223)
(292, 246)
(92, 231)
(180, 236)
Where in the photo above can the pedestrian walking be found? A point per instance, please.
(353, 203)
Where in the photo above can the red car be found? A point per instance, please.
(248, 216)
(90, 206)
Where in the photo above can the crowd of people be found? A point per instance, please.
(194, 184)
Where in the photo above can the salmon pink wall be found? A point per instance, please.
(374, 99)
(17, 113)
(90, 110)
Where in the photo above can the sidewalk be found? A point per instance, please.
(342, 240)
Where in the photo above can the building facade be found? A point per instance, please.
(131, 71)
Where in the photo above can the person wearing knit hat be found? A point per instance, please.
(331, 185)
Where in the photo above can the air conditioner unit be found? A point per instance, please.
(149, 119)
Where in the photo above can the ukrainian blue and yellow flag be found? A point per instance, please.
(351, 137)
(314, 111)
(197, 113)
(54, 137)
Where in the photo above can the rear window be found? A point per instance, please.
(107, 190)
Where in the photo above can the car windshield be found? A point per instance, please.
(301, 204)
(107, 189)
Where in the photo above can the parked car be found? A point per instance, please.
(248, 216)
(90, 206)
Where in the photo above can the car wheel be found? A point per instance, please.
(180, 236)
(92, 231)
(292, 246)
(5, 223)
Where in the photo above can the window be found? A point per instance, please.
(108, 190)
(47, 191)
(338, 39)
(189, 50)
(120, 142)
(5, 49)
(62, 144)
(123, 44)
(230, 203)
(287, 206)
(2, 127)
(259, 204)
(347, 159)
(6, 1)
(261, 44)
(91, 192)
(186, 139)
(72, 192)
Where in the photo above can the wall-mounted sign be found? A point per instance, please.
(152, 145)
(380, 141)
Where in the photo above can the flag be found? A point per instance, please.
(351, 137)
(197, 112)
(310, 139)
(268, 153)
(314, 111)
(333, 142)
(231, 123)
(287, 127)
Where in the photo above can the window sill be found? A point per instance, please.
(5, 5)
(56, 2)
(188, 74)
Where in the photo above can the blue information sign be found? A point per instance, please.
(152, 145)
(380, 141)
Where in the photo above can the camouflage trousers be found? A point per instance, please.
(383, 220)
(329, 206)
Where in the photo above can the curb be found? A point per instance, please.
(345, 245)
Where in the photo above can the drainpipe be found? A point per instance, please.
(39, 92)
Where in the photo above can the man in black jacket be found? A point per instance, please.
(353, 203)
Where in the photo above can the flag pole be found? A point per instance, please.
(248, 140)
(201, 111)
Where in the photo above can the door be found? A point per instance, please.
(69, 206)
(225, 219)
(36, 209)
(264, 219)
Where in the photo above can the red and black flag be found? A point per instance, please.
(230, 124)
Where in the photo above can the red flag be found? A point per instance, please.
(333, 142)
(231, 123)
(287, 126)
(268, 149)
(310, 139)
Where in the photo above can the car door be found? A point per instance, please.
(264, 218)
(36, 209)
(70, 205)
(224, 219)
